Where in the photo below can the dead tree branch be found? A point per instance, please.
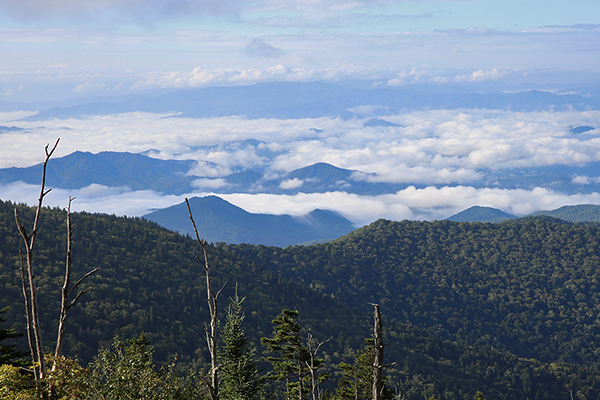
(311, 364)
(31, 290)
(378, 347)
(66, 290)
(211, 331)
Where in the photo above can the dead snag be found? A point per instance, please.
(211, 332)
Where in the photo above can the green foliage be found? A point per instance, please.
(128, 372)
(67, 379)
(291, 355)
(357, 378)
(8, 354)
(509, 309)
(240, 375)
(14, 384)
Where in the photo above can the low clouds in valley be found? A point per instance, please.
(440, 155)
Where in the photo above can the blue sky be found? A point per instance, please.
(57, 49)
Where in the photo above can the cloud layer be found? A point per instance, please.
(445, 152)
(415, 204)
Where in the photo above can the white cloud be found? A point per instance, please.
(291, 184)
(95, 198)
(88, 87)
(482, 75)
(411, 203)
(199, 76)
(432, 147)
(57, 65)
(584, 180)
(447, 148)
(417, 204)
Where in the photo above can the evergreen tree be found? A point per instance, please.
(289, 366)
(357, 379)
(240, 377)
(8, 354)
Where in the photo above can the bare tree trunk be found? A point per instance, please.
(311, 365)
(32, 307)
(32, 350)
(211, 332)
(66, 290)
(378, 356)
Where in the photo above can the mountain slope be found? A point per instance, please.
(480, 214)
(221, 221)
(508, 309)
(578, 213)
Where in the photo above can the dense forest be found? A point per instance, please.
(508, 309)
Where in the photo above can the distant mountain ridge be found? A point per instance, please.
(575, 213)
(81, 169)
(291, 100)
(141, 172)
(221, 221)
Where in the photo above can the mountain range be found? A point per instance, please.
(287, 100)
(142, 172)
(221, 221)
(575, 213)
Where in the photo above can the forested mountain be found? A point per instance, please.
(509, 308)
(480, 214)
(578, 213)
(221, 221)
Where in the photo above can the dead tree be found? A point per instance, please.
(28, 280)
(67, 289)
(378, 347)
(211, 331)
(312, 366)
(34, 332)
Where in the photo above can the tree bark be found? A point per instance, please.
(378, 356)
(311, 365)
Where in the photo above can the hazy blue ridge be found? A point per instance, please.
(81, 169)
(480, 214)
(142, 172)
(313, 100)
(220, 221)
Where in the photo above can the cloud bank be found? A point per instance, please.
(444, 151)
(415, 204)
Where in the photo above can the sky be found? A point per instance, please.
(65, 49)
(70, 51)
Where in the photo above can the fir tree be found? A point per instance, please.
(357, 379)
(8, 354)
(289, 366)
(240, 375)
